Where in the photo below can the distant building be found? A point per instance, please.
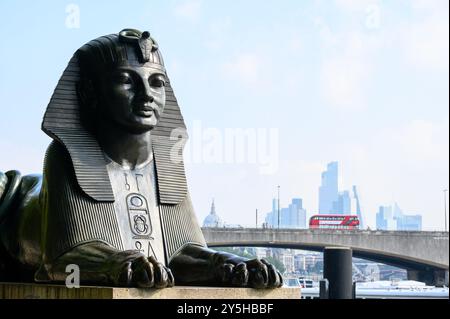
(328, 190)
(288, 261)
(286, 256)
(343, 204)
(294, 216)
(393, 218)
(410, 222)
(213, 220)
(272, 217)
(309, 259)
(331, 201)
(385, 219)
(300, 262)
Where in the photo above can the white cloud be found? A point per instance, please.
(246, 68)
(295, 43)
(355, 5)
(421, 141)
(218, 33)
(342, 81)
(327, 37)
(426, 45)
(417, 144)
(425, 41)
(346, 69)
(436, 6)
(190, 10)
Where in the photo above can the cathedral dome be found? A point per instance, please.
(213, 220)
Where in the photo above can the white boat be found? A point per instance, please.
(399, 289)
(405, 289)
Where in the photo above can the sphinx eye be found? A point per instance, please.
(124, 79)
(157, 82)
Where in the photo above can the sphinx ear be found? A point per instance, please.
(86, 94)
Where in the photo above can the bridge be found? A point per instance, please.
(425, 255)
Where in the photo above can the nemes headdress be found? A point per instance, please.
(62, 120)
(129, 46)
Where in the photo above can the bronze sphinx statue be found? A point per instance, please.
(112, 199)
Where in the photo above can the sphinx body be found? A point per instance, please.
(113, 198)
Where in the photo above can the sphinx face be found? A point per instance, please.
(132, 96)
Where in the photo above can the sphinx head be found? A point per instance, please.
(122, 81)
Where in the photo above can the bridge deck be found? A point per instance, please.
(409, 249)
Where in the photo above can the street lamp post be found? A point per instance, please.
(278, 206)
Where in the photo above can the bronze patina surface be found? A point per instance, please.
(113, 197)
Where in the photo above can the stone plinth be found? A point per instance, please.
(41, 291)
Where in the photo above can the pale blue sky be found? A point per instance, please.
(364, 82)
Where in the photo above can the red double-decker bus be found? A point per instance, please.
(334, 222)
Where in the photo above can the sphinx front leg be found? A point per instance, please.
(200, 266)
(101, 264)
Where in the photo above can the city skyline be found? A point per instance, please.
(364, 83)
(332, 201)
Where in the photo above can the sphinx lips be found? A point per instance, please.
(145, 112)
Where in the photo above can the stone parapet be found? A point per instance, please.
(42, 291)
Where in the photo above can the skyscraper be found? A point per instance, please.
(293, 216)
(385, 219)
(328, 190)
(343, 204)
(331, 201)
(393, 218)
(272, 217)
(410, 222)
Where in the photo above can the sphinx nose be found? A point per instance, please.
(146, 95)
(148, 98)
